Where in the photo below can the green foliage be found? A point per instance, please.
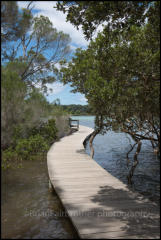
(59, 111)
(47, 130)
(16, 67)
(31, 48)
(18, 133)
(77, 109)
(119, 72)
(10, 159)
(15, 24)
(118, 15)
(13, 92)
(11, 81)
(9, 16)
(21, 107)
(38, 107)
(41, 48)
(28, 148)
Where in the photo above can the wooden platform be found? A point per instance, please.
(99, 205)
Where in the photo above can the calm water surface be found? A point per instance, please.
(110, 153)
(31, 211)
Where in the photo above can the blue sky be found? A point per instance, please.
(63, 92)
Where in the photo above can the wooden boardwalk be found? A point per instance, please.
(99, 205)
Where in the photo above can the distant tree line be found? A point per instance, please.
(77, 109)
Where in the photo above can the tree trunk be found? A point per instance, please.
(135, 163)
(127, 155)
(91, 141)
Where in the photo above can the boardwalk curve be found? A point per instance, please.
(99, 205)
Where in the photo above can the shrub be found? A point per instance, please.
(62, 124)
(47, 130)
(27, 148)
(13, 105)
(10, 159)
(17, 134)
(30, 147)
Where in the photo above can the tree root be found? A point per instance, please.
(155, 148)
(91, 137)
(127, 154)
(135, 163)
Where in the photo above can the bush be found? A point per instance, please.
(47, 130)
(18, 133)
(30, 147)
(13, 106)
(62, 124)
(11, 159)
(27, 148)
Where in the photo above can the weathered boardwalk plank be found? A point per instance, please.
(99, 205)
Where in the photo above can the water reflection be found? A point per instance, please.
(29, 209)
(110, 153)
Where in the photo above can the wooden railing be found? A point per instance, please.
(74, 125)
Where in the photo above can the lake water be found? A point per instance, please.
(110, 153)
(31, 211)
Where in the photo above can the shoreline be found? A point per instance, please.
(75, 183)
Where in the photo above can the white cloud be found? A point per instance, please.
(58, 66)
(56, 88)
(73, 47)
(58, 19)
(82, 99)
(52, 88)
(23, 4)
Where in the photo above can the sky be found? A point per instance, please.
(45, 8)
